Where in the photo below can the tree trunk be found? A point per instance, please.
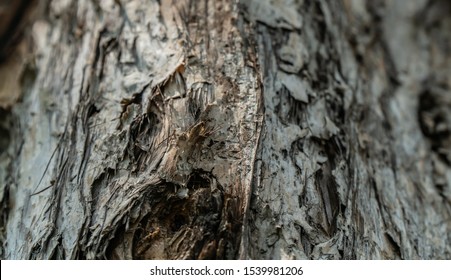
(228, 129)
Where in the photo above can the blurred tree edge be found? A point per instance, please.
(225, 129)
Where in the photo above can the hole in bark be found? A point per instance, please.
(194, 109)
(115, 244)
(141, 130)
(394, 247)
(4, 139)
(198, 179)
(359, 58)
(341, 252)
(178, 222)
(433, 122)
(284, 153)
(92, 110)
(336, 108)
(426, 103)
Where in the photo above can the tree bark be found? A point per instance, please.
(229, 129)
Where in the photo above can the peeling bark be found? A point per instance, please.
(230, 129)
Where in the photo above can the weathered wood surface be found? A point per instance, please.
(353, 162)
(223, 129)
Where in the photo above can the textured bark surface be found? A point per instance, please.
(137, 134)
(353, 162)
(229, 129)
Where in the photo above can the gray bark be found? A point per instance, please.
(353, 162)
(228, 129)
